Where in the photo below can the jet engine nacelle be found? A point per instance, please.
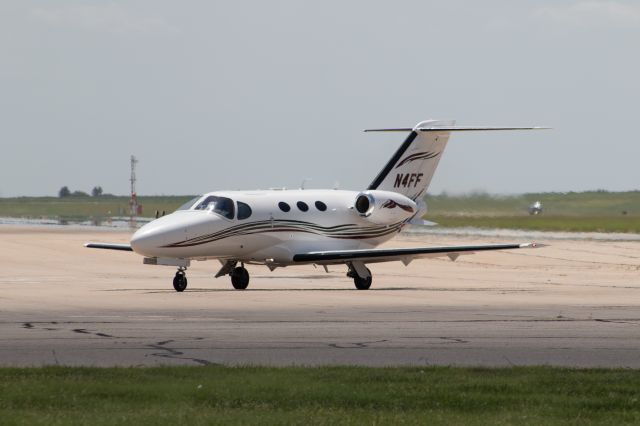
(384, 207)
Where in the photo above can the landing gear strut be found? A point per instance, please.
(180, 280)
(240, 278)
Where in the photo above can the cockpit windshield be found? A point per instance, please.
(220, 205)
(188, 204)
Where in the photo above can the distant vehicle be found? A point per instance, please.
(279, 228)
(535, 208)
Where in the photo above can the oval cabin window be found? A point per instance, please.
(244, 211)
(284, 206)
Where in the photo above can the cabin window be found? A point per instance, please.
(284, 206)
(244, 211)
(321, 206)
(302, 206)
(220, 205)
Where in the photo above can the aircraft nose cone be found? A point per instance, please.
(156, 237)
(153, 237)
(144, 241)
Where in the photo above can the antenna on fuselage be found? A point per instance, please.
(304, 181)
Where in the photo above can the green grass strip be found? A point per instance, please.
(595, 211)
(83, 208)
(320, 395)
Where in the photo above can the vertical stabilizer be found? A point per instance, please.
(410, 170)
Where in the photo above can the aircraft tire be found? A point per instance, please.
(363, 283)
(240, 278)
(180, 282)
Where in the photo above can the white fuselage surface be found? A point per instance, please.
(272, 226)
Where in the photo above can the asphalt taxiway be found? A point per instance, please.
(575, 303)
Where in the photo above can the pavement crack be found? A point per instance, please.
(615, 321)
(508, 361)
(355, 345)
(170, 353)
(96, 333)
(454, 340)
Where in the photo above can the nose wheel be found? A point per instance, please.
(239, 278)
(180, 280)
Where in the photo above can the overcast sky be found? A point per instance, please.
(244, 95)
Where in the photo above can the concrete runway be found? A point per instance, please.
(576, 303)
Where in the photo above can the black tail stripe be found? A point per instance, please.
(396, 157)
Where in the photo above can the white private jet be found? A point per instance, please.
(278, 228)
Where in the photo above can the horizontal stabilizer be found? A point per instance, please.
(108, 246)
(454, 129)
(402, 129)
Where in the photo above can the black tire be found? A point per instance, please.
(240, 278)
(363, 283)
(180, 282)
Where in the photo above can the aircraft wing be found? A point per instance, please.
(109, 246)
(404, 255)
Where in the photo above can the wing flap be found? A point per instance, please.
(109, 246)
(400, 254)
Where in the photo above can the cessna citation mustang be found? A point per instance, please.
(278, 228)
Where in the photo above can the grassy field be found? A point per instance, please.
(85, 207)
(596, 211)
(573, 204)
(323, 395)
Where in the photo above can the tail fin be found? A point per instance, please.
(410, 170)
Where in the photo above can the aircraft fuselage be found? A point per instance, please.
(277, 225)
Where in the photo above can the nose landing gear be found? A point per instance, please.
(180, 280)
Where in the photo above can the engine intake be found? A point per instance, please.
(365, 204)
(384, 207)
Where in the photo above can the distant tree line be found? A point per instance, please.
(66, 192)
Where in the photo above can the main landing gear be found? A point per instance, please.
(361, 275)
(362, 283)
(240, 278)
(180, 280)
(239, 274)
